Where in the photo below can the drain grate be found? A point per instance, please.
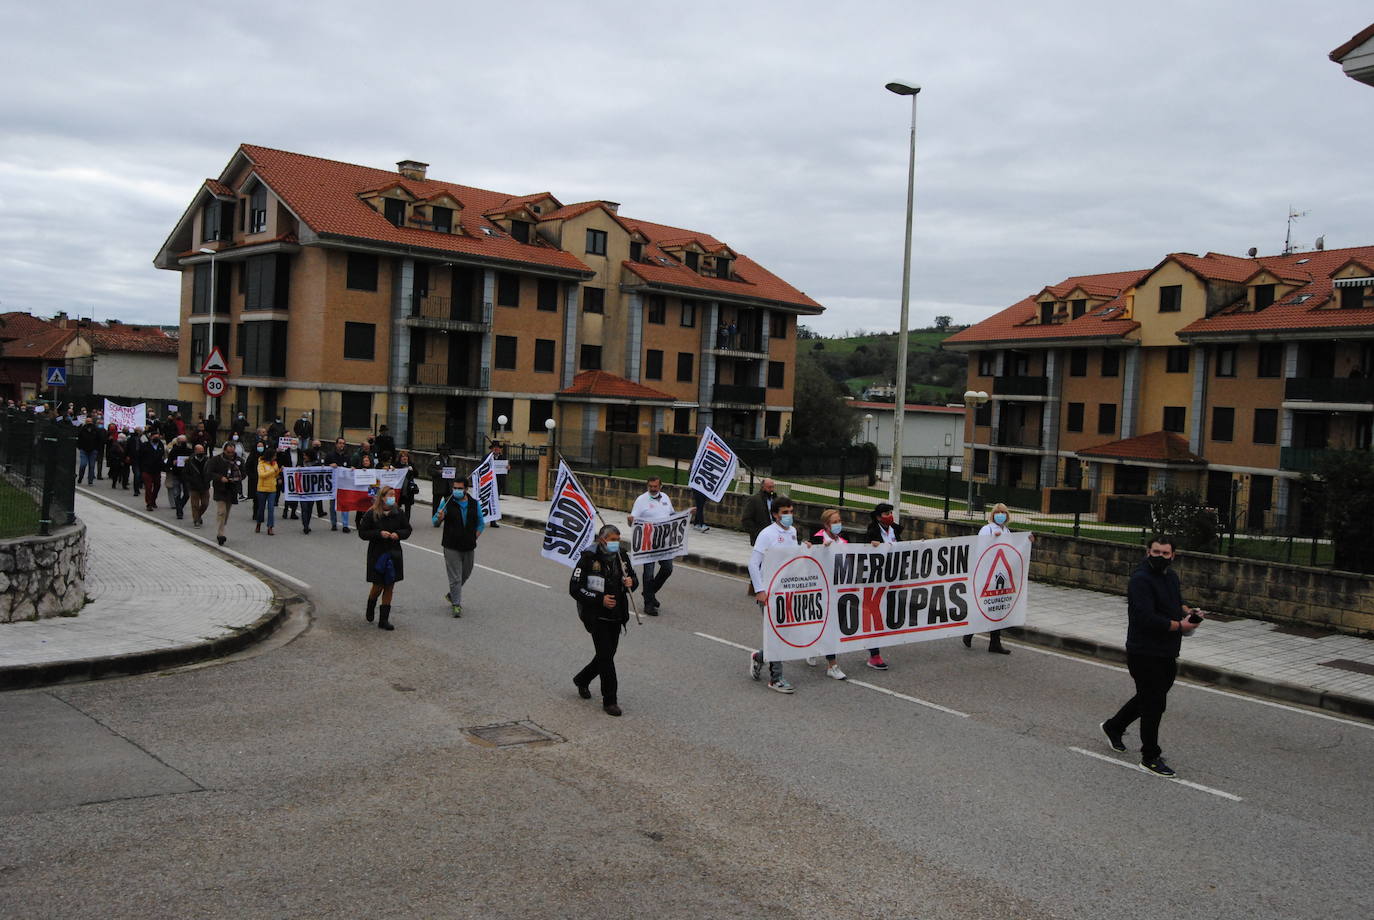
(1345, 664)
(511, 734)
(1306, 632)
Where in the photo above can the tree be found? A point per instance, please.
(1348, 486)
(942, 322)
(820, 413)
(1181, 515)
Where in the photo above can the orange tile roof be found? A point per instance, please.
(17, 325)
(217, 187)
(609, 386)
(46, 344)
(910, 407)
(1157, 446)
(1021, 321)
(119, 337)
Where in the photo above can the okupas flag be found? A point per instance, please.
(488, 496)
(354, 489)
(571, 526)
(713, 468)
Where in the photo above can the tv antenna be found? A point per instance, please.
(1293, 214)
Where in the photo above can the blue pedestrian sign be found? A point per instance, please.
(57, 377)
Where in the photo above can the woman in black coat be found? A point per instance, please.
(383, 526)
(882, 530)
(600, 584)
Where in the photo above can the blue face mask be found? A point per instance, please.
(259, 448)
(785, 520)
(999, 518)
(458, 492)
(610, 549)
(389, 502)
(836, 528)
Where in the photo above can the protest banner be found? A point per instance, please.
(484, 481)
(654, 541)
(827, 600)
(129, 417)
(308, 483)
(571, 524)
(354, 489)
(713, 468)
(288, 443)
(500, 466)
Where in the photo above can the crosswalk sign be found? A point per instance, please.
(214, 364)
(57, 377)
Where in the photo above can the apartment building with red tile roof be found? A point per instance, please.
(371, 296)
(110, 358)
(1221, 374)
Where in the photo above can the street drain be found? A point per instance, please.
(1345, 664)
(511, 734)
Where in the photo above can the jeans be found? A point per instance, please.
(176, 491)
(774, 667)
(1153, 677)
(652, 582)
(90, 462)
(335, 515)
(699, 509)
(265, 503)
(458, 566)
(605, 640)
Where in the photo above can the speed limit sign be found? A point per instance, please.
(214, 385)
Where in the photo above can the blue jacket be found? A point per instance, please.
(1153, 602)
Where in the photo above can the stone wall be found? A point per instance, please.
(43, 576)
(1291, 594)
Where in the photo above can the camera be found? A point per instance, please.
(1194, 618)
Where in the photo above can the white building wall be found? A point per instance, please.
(924, 434)
(124, 373)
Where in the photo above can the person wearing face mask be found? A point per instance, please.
(601, 583)
(1157, 621)
(265, 498)
(994, 529)
(197, 483)
(178, 455)
(653, 505)
(779, 533)
(758, 514)
(384, 527)
(339, 456)
(830, 534)
(461, 516)
(152, 457)
(883, 530)
(225, 473)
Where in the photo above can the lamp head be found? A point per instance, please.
(549, 424)
(903, 89)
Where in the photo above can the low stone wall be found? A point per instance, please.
(43, 576)
(1291, 594)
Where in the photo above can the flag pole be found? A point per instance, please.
(624, 559)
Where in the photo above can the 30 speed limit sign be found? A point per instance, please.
(214, 385)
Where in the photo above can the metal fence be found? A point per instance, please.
(38, 469)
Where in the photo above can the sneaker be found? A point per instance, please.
(1158, 767)
(811, 662)
(755, 665)
(1113, 740)
(876, 663)
(219, 540)
(345, 529)
(835, 672)
(705, 528)
(781, 685)
(333, 526)
(448, 597)
(457, 610)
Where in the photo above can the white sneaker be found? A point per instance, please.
(835, 672)
(812, 661)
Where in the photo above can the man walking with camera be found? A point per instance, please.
(1158, 621)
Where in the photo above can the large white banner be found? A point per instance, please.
(828, 600)
(713, 467)
(654, 541)
(308, 483)
(130, 417)
(571, 525)
(484, 481)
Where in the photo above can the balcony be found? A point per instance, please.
(433, 311)
(1020, 386)
(1305, 459)
(1016, 437)
(734, 394)
(1331, 390)
(446, 380)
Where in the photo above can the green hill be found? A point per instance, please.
(933, 374)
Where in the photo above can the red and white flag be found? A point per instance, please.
(713, 468)
(571, 525)
(354, 489)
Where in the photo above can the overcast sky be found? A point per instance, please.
(1054, 139)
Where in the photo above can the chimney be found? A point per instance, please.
(412, 169)
(60, 319)
(612, 206)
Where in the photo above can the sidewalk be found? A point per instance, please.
(1332, 672)
(156, 601)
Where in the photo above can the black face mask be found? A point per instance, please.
(1158, 564)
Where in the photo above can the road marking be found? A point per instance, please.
(528, 581)
(1173, 779)
(853, 683)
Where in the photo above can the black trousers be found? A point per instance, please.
(1153, 677)
(605, 639)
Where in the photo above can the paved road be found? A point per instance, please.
(331, 775)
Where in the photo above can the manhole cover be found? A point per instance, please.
(510, 734)
(1306, 632)
(1345, 664)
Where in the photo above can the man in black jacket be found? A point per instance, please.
(196, 480)
(758, 511)
(90, 437)
(1158, 621)
(177, 458)
(225, 473)
(337, 457)
(601, 584)
(151, 459)
(461, 514)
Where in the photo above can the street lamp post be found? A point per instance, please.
(895, 487)
(552, 428)
(868, 418)
(972, 400)
(211, 407)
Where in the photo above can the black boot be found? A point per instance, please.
(968, 640)
(384, 621)
(371, 609)
(995, 645)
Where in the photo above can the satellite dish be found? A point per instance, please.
(1254, 251)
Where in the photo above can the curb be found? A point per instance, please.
(284, 603)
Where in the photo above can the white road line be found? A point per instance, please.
(1135, 766)
(528, 581)
(1205, 689)
(854, 683)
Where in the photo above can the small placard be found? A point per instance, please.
(449, 472)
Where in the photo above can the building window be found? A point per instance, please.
(1174, 418)
(590, 358)
(657, 309)
(622, 418)
(684, 366)
(1176, 360)
(200, 347)
(682, 421)
(362, 272)
(267, 282)
(395, 210)
(503, 358)
(1073, 473)
(723, 267)
(777, 325)
(1264, 296)
(1226, 361)
(1073, 418)
(217, 221)
(1223, 423)
(1106, 418)
(1047, 313)
(772, 424)
(1078, 308)
(548, 295)
(1171, 298)
(541, 410)
(1266, 426)
(593, 300)
(1352, 298)
(692, 260)
(982, 416)
(507, 289)
(360, 341)
(520, 229)
(777, 372)
(1131, 480)
(653, 364)
(200, 290)
(501, 406)
(356, 410)
(257, 209)
(596, 242)
(987, 363)
(1078, 363)
(1270, 362)
(543, 355)
(980, 463)
(264, 349)
(240, 335)
(441, 219)
(636, 251)
(1111, 362)
(689, 314)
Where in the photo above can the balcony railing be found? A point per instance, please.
(1016, 437)
(444, 375)
(1301, 459)
(1330, 389)
(437, 306)
(1021, 386)
(732, 393)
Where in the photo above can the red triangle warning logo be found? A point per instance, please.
(1000, 581)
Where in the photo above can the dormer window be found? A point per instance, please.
(520, 229)
(1352, 298)
(441, 219)
(1047, 313)
(722, 267)
(692, 260)
(636, 251)
(257, 209)
(395, 211)
(1264, 296)
(217, 221)
(1079, 307)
